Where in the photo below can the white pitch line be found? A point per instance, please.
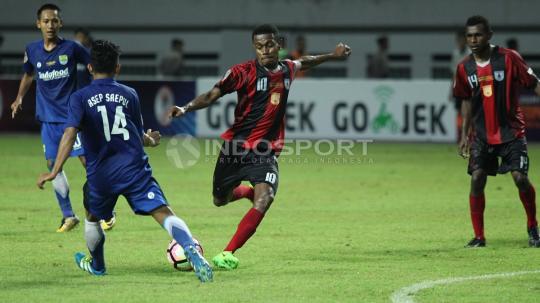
(406, 294)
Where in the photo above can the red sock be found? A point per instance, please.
(246, 229)
(477, 204)
(528, 199)
(242, 191)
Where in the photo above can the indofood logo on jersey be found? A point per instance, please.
(54, 74)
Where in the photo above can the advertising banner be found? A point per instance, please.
(155, 97)
(352, 109)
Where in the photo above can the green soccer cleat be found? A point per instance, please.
(85, 263)
(226, 260)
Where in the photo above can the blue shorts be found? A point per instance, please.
(51, 135)
(142, 198)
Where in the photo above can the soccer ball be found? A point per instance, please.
(176, 256)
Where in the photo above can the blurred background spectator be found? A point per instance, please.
(298, 52)
(512, 43)
(283, 51)
(82, 35)
(378, 65)
(171, 63)
(459, 53)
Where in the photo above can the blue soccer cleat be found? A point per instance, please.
(85, 263)
(200, 265)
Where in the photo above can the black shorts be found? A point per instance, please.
(235, 164)
(513, 156)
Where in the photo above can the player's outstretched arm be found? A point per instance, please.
(24, 86)
(466, 113)
(66, 145)
(151, 138)
(199, 102)
(341, 52)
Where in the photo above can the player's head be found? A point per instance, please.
(512, 43)
(265, 41)
(478, 33)
(104, 58)
(382, 43)
(83, 36)
(49, 21)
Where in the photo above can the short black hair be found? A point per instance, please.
(512, 43)
(48, 6)
(265, 29)
(177, 41)
(104, 56)
(475, 20)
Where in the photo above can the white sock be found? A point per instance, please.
(60, 184)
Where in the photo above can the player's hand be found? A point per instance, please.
(175, 112)
(463, 148)
(342, 51)
(152, 138)
(44, 177)
(15, 107)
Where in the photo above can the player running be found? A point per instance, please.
(489, 81)
(54, 60)
(109, 117)
(255, 139)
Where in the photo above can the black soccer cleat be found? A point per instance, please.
(476, 242)
(534, 239)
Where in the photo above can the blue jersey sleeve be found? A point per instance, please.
(27, 65)
(137, 116)
(75, 111)
(82, 55)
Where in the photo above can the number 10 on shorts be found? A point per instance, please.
(270, 177)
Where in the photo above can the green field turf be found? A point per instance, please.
(336, 233)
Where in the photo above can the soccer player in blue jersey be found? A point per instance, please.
(109, 117)
(54, 61)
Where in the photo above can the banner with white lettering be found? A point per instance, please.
(349, 109)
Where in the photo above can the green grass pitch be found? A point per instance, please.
(335, 233)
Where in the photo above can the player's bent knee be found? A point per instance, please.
(521, 180)
(90, 217)
(263, 202)
(478, 178)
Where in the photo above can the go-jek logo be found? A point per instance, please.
(384, 119)
(54, 74)
(183, 151)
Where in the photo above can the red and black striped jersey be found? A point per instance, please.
(259, 116)
(494, 90)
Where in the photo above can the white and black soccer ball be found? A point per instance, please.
(176, 256)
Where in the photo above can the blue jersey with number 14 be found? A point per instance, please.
(109, 116)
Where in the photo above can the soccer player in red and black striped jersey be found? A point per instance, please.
(254, 141)
(489, 82)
